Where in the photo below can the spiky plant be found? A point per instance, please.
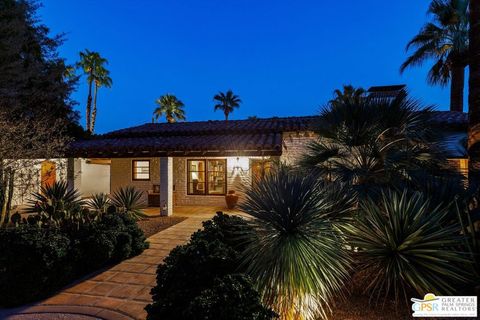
(296, 254)
(53, 198)
(372, 143)
(128, 200)
(99, 203)
(406, 246)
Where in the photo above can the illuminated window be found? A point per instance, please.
(260, 168)
(141, 170)
(207, 177)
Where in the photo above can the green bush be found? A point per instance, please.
(231, 297)
(194, 278)
(33, 262)
(37, 260)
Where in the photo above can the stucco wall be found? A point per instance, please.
(28, 177)
(121, 175)
(295, 145)
(95, 178)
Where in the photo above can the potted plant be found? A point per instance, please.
(231, 198)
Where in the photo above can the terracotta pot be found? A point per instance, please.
(231, 199)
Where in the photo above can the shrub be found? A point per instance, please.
(33, 263)
(296, 255)
(100, 202)
(193, 277)
(232, 297)
(127, 200)
(406, 246)
(37, 260)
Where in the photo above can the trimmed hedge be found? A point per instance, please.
(200, 280)
(36, 261)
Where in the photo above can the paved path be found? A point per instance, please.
(119, 293)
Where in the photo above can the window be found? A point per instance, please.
(260, 168)
(141, 170)
(207, 177)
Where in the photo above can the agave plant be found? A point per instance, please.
(296, 254)
(128, 200)
(406, 246)
(99, 203)
(58, 205)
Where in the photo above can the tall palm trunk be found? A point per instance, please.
(457, 85)
(474, 93)
(94, 111)
(226, 116)
(89, 106)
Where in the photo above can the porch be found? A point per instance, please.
(204, 212)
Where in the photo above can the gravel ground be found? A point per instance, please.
(150, 226)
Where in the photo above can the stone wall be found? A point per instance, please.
(295, 145)
(121, 175)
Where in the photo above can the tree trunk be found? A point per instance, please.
(94, 111)
(89, 106)
(457, 86)
(226, 116)
(474, 94)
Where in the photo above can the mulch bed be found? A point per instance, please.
(150, 226)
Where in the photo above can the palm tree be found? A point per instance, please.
(444, 40)
(474, 93)
(102, 79)
(349, 93)
(171, 107)
(374, 143)
(92, 65)
(226, 102)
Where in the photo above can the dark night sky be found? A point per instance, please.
(283, 58)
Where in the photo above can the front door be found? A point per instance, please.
(48, 173)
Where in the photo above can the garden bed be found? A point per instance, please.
(153, 225)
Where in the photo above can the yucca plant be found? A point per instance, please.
(128, 200)
(296, 254)
(99, 203)
(405, 246)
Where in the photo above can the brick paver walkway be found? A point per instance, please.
(119, 293)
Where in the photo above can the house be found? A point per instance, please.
(197, 163)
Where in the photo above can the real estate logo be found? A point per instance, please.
(444, 306)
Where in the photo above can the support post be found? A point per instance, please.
(166, 186)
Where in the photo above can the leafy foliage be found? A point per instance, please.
(100, 202)
(226, 102)
(33, 263)
(171, 107)
(296, 255)
(128, 200)
(445, 39)
(406, 245)
(375, 143)
(348, 94)
(198, 277)
(39, 259)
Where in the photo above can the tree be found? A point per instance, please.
(171, 107)
(36, 112)
(93, 66)
(375, 143)
(349, 93)
(444, 40)
(102, 79)
(474, 93)
(32, 75)
(226, 102)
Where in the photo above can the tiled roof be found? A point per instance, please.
(235, 137)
